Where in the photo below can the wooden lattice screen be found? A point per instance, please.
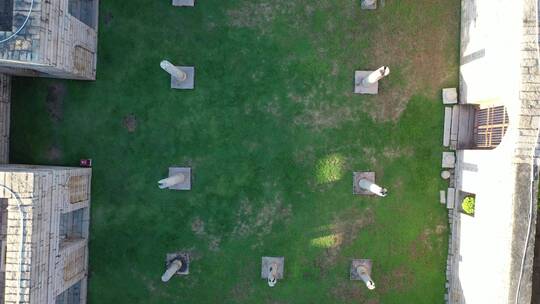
(490, 126)
(78, 189)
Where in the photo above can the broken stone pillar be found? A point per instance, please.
(363, 273)
(272, 275)
(377, 75)
(173, 268)
(369, 4)
(175, 72)
(370, 186)
(367, 82)
(171, 181)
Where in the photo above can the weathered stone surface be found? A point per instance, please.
(450, 96)
(268, 261)
(448, 160)
(183, 2)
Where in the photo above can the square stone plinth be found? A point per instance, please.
(357, 176)
(183, 2)
(448, 160)
(450, 96)
(184, 257)
(355, 263)
(359, 88)
(368, 4)
(268, 261)
(187, 84)
(186, 185)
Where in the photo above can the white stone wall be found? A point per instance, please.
(48, 269)
(498, 67)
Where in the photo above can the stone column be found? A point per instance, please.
(363, 272)
(174, 71)
(172, 180)
(272, 275)
(377, 75)
(372, 187)
(174, 267)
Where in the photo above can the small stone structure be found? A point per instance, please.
(48, 209)
(182, 77)
(364, 184)
(179, 179)
(368, 4)
(272, 269)
(183, 2)
(58, 39)
(367, 82)
(361, 271)
(450, 96)
(176, 264)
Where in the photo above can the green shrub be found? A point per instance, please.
(468, 205)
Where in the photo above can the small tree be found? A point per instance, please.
(468, 205)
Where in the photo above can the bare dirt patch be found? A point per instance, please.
(107, 19)
(260, 221)
(345, 229)
(199, 229)
(54, 153)
(54, 101)
(423, 244)
(398, 279)
(130, 123)
(346, 292)
(416, 47)
(258, 15)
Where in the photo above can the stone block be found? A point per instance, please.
(268, 261)
(189, 83)
(184, 257)
(448, 160)
(442, 197)
(450, 96)
(354, 276)
(368, 4)
(447, 126)
(450, 198)
(186, 185)
(183, 2)
(357, 176)
(359, 88)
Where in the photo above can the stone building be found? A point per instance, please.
(56, 38)
(44, 256)
(494, 131)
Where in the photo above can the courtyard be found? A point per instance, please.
(272, 133)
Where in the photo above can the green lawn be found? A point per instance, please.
(273, 134)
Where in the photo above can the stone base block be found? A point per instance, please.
(182, 256)
(360, 262)
(183, 2)
(368, 4)
(186, 185)
(359, 88)
(450, 96)
(268, 261)
(357, 176)
(187, 84)
(448, 160)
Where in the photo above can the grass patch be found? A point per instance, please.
(272, 132)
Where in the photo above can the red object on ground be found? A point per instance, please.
(87, 163)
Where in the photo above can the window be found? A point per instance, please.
(71, 296)
(490, 126)
(84, 10)
(6, 15)
(72, 226)
(78, 189)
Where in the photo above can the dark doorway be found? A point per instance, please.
(6, 15)
(84, 10)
